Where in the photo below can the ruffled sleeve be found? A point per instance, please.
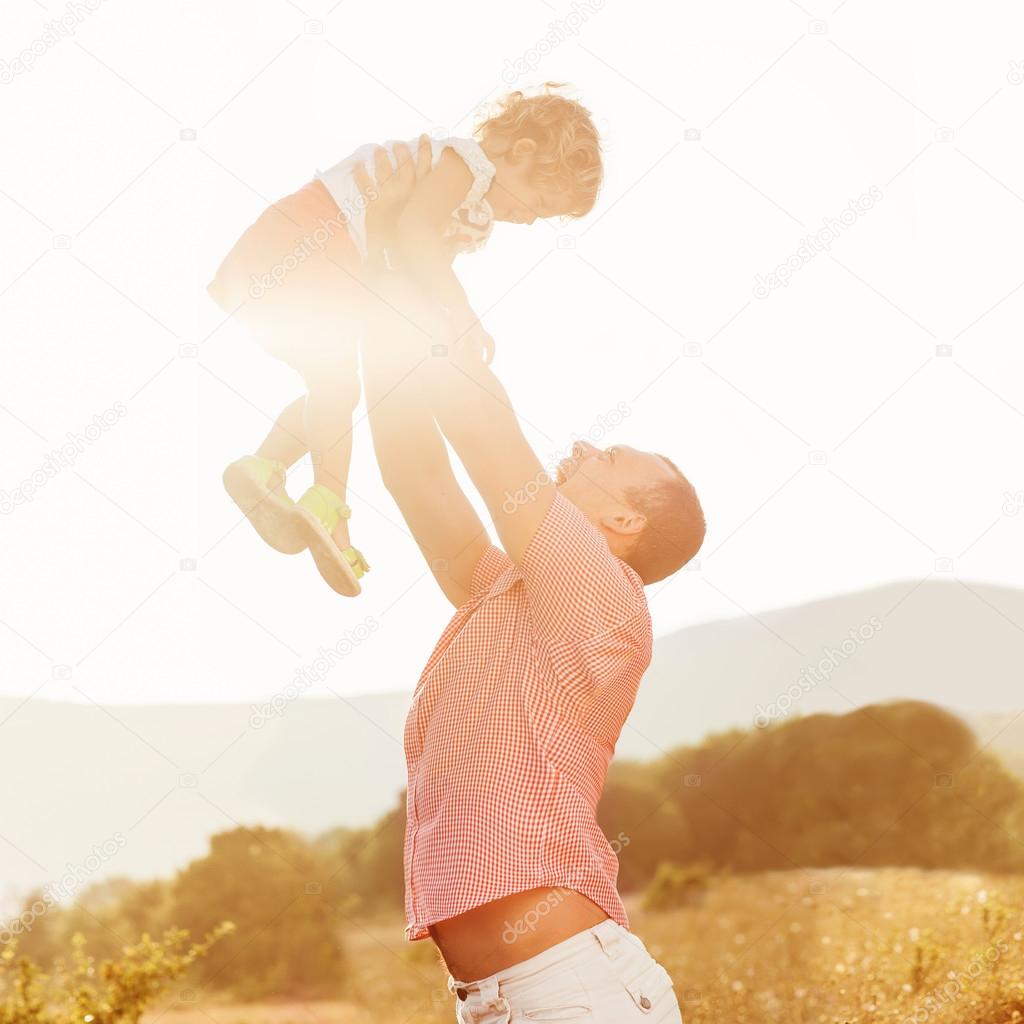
(474, 218)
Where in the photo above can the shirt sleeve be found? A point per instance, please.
(588, 607)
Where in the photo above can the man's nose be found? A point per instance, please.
(582, 450)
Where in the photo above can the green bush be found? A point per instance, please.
(270, 883)
(116, 991)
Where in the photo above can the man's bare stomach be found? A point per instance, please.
(496, 935)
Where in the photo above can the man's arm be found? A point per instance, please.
(475, 413)
(411, 453)
(577, 589)
(469, 401)
(388, 194)
(419, 233)
(576, 586)
(415, 467)
(413, 205)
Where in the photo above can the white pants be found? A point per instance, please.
(603, 975)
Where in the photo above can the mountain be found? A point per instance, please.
(959, 645)
(137, 790)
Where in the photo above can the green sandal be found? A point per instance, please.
(269, 509)
(342, 569)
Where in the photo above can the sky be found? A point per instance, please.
(854, 421)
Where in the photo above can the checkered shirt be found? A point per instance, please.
(513, 724)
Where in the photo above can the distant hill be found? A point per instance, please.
(959, 646)
(167, 777)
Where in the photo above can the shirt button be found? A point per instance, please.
(645, 1003)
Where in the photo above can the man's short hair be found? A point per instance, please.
(675, 526)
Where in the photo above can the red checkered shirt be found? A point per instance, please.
(514, 722)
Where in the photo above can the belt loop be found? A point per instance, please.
(609, 938)
(488, 990)
(459, 989)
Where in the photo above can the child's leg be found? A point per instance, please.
(286, 442)
(327, 428)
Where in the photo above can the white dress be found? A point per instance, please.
(470, 225)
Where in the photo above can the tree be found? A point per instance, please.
(270, 883)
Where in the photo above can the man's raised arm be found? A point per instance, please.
(475, 414)
(415, 467)
(584, 606)
(413, 459)
(576, 584)
(473, 411)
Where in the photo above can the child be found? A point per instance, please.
(296, 278)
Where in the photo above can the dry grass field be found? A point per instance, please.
(798, 947)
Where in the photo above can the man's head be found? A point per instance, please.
(647, 510)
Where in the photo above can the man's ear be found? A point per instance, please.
(522, 149)
(624, 521)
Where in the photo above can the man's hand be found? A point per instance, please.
(392, 188)
(387, 195)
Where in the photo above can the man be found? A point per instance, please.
(515, 717)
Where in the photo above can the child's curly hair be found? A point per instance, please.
(568, 147)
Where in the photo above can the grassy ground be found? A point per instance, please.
(798, 947)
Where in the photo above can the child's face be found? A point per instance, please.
(514, 196)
